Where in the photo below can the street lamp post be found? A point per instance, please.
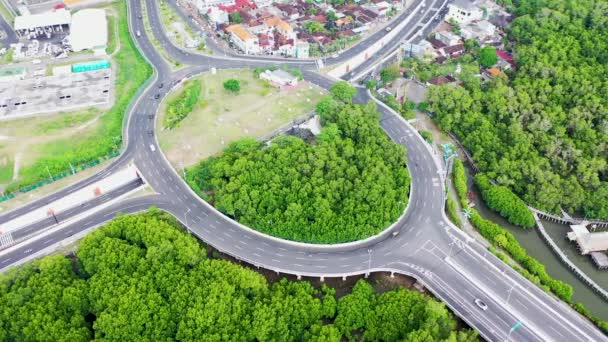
(186, 216)
(369, 263)
(513, 328)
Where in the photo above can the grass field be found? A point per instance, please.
(26, 140)
(221, 118)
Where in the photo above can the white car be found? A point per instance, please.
(152, 148)
(388, 29)
(483, 306)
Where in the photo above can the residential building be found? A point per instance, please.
(464, 11)
(279, 77)
(263, 3)
(201, 5)
(216, 15)
(481, 30)
(243, 39)
(419, 50)
(447, 38)
(281, 26)
(302, 49)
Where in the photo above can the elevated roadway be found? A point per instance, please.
(451, 265)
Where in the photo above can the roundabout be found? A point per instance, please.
(428, 247)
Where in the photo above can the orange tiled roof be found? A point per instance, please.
(275, 21)
(494, 71)
(240, 32)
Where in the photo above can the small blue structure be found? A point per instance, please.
(93, 65)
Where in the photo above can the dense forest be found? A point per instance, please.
(348, 184)
(542, 131)
(141, 278)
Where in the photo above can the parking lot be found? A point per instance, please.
(48, 94)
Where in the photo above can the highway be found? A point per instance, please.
(451, 265)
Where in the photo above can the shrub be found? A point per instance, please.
(232, 85)
(459, 179)
(452, 211)
(426, 135)
(505, 202)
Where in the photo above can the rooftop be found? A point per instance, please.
(600, 259)
(240, 32)
(57, 17)
(275, 21)
(588, 242)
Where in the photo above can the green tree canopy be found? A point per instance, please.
(350, 184)
(232, 85)
(142, 278)
(343, 91)
(487, 56)
(235, 17)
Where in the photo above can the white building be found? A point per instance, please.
(464, 11)
(243, 39)
(447, 38)
(302, 49)
(419, 50)
(216, 15)
(42, 23)
(588, 242)
(201, 5)
(89, 30)
(263, 3)
(279, 77)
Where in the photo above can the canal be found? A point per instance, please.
(536, 247)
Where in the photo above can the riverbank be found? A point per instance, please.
(532, 242)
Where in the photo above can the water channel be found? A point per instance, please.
(536, 247)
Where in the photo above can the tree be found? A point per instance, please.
(235, 17)
(343, 91)
(390, 73)
(306, 192)
(487, 56)
(314, 26)
(232, 85)
(331, 16)
(455, 26)
(141, 277)
(371, 84)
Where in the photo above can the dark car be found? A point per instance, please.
(161, 85)
(157, 96)
(139, 16)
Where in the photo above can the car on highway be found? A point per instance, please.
(157, 96)
(139, 16)
(483, 306)
(335, 55)
(138, 33)
(388, 29)
(161, 85)
(152, 148)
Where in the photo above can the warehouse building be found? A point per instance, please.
(89, 31)
(34, 25)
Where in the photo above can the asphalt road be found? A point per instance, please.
(453, 266)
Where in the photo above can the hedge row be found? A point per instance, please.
(181, 106)
(505, 240)
(453, 212)
(459, 179)
(502, 200)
